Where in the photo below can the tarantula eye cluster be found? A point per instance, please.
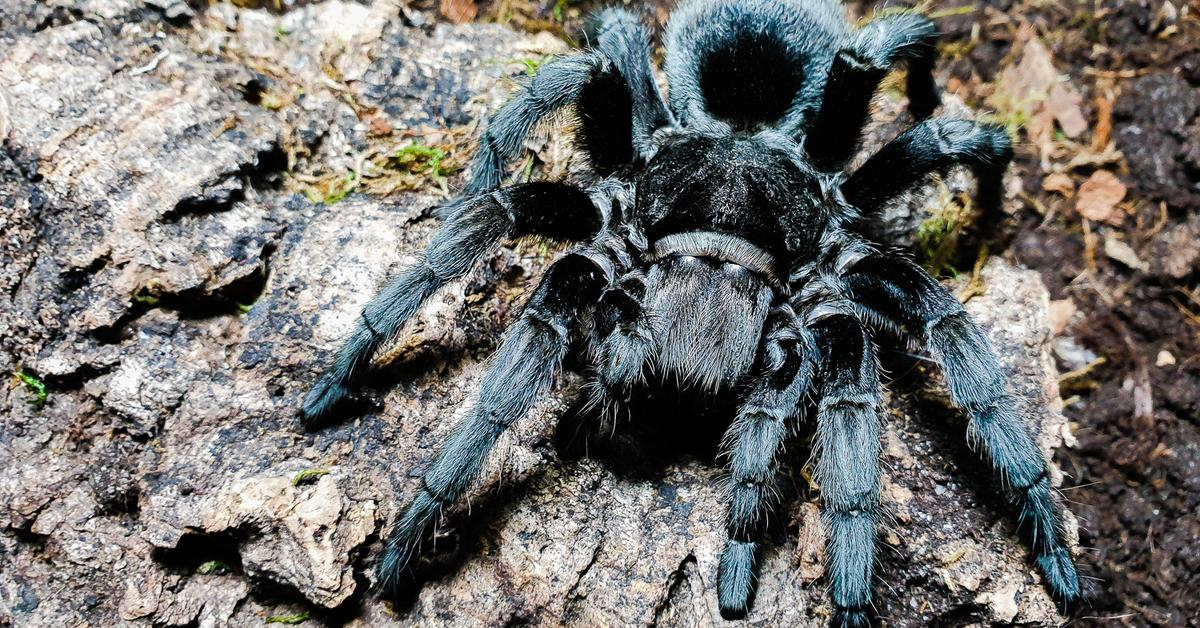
(720, 245)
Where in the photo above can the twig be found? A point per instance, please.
(150, 67)
(1089, 246)
(1116, 74)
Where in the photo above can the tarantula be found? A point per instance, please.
(720, 244)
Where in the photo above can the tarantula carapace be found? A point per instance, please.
(721, 245)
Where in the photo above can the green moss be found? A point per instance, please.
(274, 100)
(1013, 117)
(294, 618)
(35, 386)
(951, 12)
(417, 158)
(559, 7)
(531, 65)
(308, 476)
(213, 566)
(527, 170)
(145, 296)
(334, 191)
(937, 237)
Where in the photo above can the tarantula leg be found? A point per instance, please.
(549, 209)
(555, 85)
(834, 135)
(929, 147)
(524, 367)
(848, 429)
(619, 33)
(897, 293)
(910, 37)
(753, 443)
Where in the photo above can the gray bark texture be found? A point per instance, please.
(179, 263)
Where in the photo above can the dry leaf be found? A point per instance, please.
(1032, 89)
(1060, 183)
(810, 547)
(1064, 104)
(1033, 76)
(1122, 252)
(1024, 85)
(1098, 198)
(1060, 313)
(458, 11)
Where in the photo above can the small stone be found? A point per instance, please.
(1165, 358)
(1073, 355)
(1002, 601)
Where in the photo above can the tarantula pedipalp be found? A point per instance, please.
(720, 244)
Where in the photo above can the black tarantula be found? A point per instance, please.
(721, 244)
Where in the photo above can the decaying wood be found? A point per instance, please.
(178, 262)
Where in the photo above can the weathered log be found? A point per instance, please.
(176, 294)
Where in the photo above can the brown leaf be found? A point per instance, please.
(1099, 196)
(1033, 89)
(1064, 103)
(1060, 314)
(1031, 78)
(1060, 183)
(458, 11)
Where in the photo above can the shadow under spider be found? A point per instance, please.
(669, 427)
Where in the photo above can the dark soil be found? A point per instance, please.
(1136, 489)
(1133, 478)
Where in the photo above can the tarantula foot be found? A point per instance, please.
(326, 395)
(1058, 571)
(730, 611)
(735, 580)
(856, 617)
(394, 569)
(390, 575)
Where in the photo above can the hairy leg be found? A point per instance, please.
(556, 84)
(620, 35)
(834, 134)
(753, 443)
(898, 294)
(472, 229)
(848, 429)
(929, 147)
(523, 368)
(911, 38)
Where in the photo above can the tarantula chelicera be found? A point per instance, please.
(721, 245)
